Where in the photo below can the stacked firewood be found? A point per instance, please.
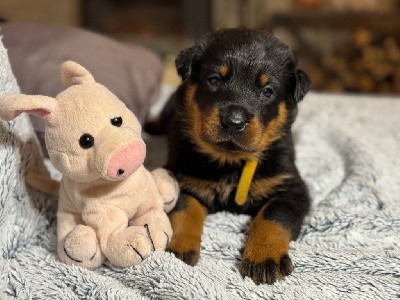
(369, 62)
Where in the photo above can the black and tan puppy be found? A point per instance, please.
(229, 128)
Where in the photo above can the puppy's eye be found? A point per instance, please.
(267, 92)
(214, 80)
(116, 121)
(86, 141)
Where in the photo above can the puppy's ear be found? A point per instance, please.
(303, 85)
(186, 61)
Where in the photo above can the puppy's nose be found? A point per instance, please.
(235, 119)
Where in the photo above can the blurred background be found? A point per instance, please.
(344, 45)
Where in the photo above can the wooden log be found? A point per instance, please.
(365, 83)
(362, 37)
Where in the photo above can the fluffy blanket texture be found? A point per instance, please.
(348, 152)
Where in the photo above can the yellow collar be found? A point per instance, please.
(245, 181)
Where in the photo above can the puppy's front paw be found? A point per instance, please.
(185, 248)
(266, 271)
(187, 224)
(265, 256)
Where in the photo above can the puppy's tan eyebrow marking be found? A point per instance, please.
(263, 79)
(223, 70)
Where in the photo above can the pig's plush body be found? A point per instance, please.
(110, 206)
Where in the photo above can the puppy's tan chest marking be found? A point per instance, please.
(224, 190)
(207, 190)
(262, 187)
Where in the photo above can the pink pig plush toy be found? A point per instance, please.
(110, 206)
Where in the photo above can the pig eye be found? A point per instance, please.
(116, 121)
(86, 141)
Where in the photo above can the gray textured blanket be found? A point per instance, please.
(348, 151)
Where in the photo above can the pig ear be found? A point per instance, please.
(73, 73)
(12, 106)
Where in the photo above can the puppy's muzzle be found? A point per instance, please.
(234, 119)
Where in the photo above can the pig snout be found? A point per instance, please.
(126, 160)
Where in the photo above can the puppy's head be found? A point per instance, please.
(241, 90)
